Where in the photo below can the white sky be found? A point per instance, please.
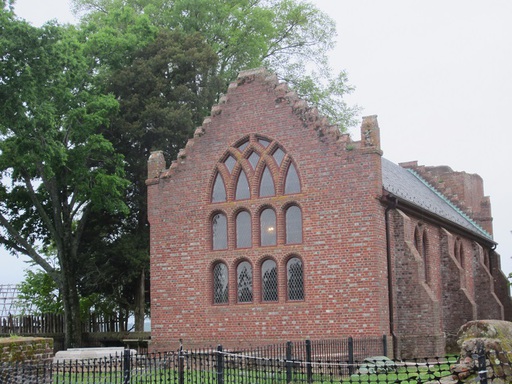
(437, 73)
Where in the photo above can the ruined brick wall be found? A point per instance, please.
(25, 349)
(465, 190)
(418, 315)
(343, 247)
(501, 284)
(488, 304)
(458, 303)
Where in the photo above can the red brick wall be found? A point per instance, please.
(343, 249)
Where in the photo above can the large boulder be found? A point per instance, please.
(485, 350)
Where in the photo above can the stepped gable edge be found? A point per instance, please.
(310, 117)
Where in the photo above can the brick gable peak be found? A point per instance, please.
(310, 117)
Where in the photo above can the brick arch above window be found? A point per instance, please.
(254, 166)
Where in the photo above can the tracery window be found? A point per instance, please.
(269, 281)
(293, 219)
(219, 231)
(242, 187)
(254, 168)
(292, 183)
(244, 281)
(267, 184)
(295, 279)
(219, 190)
(220, 284)
(243, 230)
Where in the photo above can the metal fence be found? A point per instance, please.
(221, 367)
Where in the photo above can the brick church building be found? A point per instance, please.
(272, 226)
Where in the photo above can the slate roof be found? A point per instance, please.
(411, 187)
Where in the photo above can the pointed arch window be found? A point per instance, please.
(295, 279)
(244, 280)
(243, 230)
(242, 187)
(219, 231)
(292, 182)
(253, 159)
(267, 184)
(219, 190)
(230, 163)
(278, 156)
(293, 225)
(220, 284)
(268, 230)
(269, 290)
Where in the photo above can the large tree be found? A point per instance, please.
(57, 168)
(290, 37)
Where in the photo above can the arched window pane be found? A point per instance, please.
(219, 231)
(278, 156)
(230, 163)
(269, 281)
(219, 190)
(292, 183)
(242, 187)
(243, 230)
(293, 225)
(295, 277)
(244, 273)
(253, 159)
(220, 284)
(267, 184)
(268, 228)
(264, 142)
(242, 146)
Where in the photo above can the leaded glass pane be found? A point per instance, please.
(244, 273)
(230, 163)
(242, 187)
(268, 228)
(264, 142)
(278, 156)
(253, 159)
(295, 277)
(267, 184)
(242, 146)
(292, 183)
(293, 225)
(220, 284)
(243, 230)
(269, 281)
(219, 190)
(219, 231)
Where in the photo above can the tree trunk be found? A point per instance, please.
(72, 319)
(140, 303)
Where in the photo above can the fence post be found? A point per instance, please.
(309, 366)
(384, 345)
(289, 362)
(220, 365)
(126, 366)
(181, 365)
(482, 365)
(350, 355)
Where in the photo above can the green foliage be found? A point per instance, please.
(290, 37)
(39, 293)
(57, 167)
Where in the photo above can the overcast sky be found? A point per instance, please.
(438, 75)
